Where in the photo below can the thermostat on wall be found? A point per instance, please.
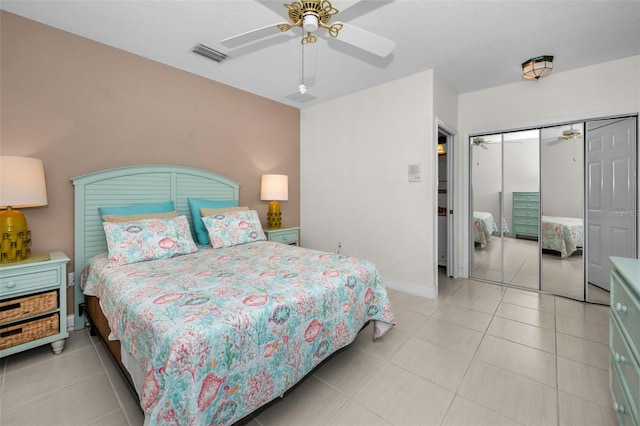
(415, 173)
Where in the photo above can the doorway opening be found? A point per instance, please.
(445, 225)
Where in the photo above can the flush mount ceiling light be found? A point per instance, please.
(537, 67)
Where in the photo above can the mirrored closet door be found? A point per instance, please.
(504, 186)
(549, 206)
(486, 190)
(562, 207)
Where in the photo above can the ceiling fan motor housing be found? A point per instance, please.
(310, 14)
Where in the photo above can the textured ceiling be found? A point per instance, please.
(472, 44)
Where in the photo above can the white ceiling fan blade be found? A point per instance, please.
(361, 8)
(365, 40)
(251, 36)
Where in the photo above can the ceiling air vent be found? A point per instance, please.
(300, 98)
(210, 53)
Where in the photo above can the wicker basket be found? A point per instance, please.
(26, 331)
(27, 306)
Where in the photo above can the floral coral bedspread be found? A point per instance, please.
(221, 332)
(562, 234)
(484, 225)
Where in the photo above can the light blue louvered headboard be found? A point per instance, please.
(135, 185)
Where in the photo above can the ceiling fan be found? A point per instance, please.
(311, 15)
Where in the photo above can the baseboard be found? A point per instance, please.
(412, 288)
(70, 319)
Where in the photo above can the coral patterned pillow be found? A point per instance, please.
(233, 228)
(148, 239)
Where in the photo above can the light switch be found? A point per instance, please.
(415, 173)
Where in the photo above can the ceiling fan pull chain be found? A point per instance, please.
(302, 88)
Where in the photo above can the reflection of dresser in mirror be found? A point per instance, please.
(526, 214)
(442, 209)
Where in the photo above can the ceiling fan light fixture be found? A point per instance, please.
(537, 67)
(310, 22)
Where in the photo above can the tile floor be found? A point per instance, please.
(560, 276)
(480, 354)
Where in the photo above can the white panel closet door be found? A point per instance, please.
(611, 196)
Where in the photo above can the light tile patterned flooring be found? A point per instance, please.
(521, 268)
(480, 354)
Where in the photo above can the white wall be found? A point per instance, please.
(521, 170)
(600, 90)
(354, 155)
(487, 178)
(562, 183)
(355, 151)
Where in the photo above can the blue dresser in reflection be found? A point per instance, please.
(526, 214)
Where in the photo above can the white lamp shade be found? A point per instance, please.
(274, 188)
(22, 182)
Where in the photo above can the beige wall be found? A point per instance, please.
(81, 106)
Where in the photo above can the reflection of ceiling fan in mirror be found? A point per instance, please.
(570, 134)
(482, 142)
(311, 15)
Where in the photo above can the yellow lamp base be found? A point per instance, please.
(15, 237)
(274, 216)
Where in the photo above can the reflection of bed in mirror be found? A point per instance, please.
(484, 225)
(564, 235)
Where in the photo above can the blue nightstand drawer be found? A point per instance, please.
(11, 284)
(283, 235)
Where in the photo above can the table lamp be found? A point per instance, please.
(274, 188)
(22, 185)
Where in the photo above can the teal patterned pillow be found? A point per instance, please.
(233, 228)
(195, 204)
(148, 239)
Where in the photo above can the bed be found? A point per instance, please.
(209, 336)
(484, 225)
(564, 235)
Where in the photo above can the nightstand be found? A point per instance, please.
(289, 236)
(33, 304)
